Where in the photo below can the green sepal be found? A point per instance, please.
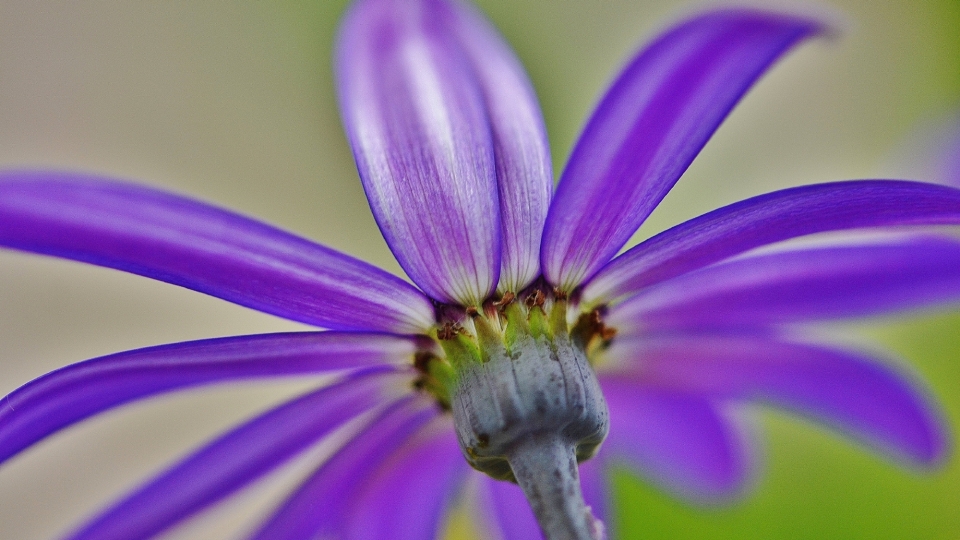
(558, 318)
(461, 351)
(490, 340)
(539, 328)
(442, 381)
(516, 324)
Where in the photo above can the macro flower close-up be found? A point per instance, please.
(535, 353)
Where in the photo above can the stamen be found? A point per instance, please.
(535, 299)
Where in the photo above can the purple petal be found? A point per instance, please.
(321, 505)
(201, 247)
(415, 116)
(806, 284)
(855, 394)
(239, 457)
(678, 439)
(650, 126)
(503, 512)
(596, 492)
(73, 393)
(770, 218)
(410, 494)
(521, 151)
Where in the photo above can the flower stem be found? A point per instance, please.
(546, 468)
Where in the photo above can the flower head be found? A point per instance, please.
(528, 345)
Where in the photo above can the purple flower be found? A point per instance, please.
(529, 342)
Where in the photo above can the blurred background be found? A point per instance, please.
(232, 102)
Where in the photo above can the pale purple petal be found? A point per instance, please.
(596, 491)
(769, 218)
(503, 512)
(320, 507)
(240, 457)
(410, 494)
(78, 391)
(677, 439)
(415, 116)
(650, 126)
(800, 285)
(188, 243)
(521, 151)
(856, 394)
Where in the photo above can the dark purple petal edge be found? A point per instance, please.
(415, 117)
(799, 285)
(411, 493)
(861, 397)
(71, 394)
(188, 243)
(318, 507)
(239, 457)
(652, 123)
(521, 150)
(679, 439)
(769, 218)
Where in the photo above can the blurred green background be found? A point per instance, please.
(232, 102)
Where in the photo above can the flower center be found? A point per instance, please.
(526, 403)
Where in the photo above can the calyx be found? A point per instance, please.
(527, 405)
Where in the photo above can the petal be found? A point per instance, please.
(677, 439)
(521, 151)
(239, 457)
(201, 247)
(800, 285)
(73, 393)
(415, 116)
(853, 393)
(411, 493)
(503, 511)
(769, 218)
(596, 492)
(650, 126)
(334, 487)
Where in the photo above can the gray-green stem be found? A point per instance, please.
(546, 469)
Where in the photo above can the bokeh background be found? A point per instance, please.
(232, 102)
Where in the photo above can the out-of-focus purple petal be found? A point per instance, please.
(524, 173)
(410, 494)
(415, 116)
(855, 394)
(650, 126)
(676, 438)
(239, 457)
(769, 218)
(807, 284)
(201, 247)
(503, 512)
(321, 505)
(70, 394)
(595, 491)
